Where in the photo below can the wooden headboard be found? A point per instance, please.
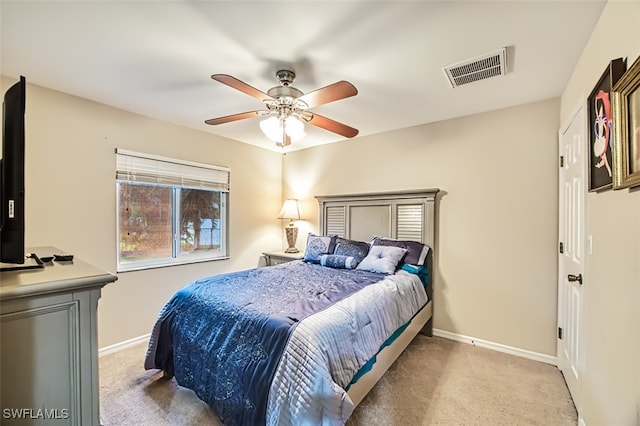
(402, 215)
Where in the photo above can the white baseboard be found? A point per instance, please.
(123, 345)
(547, 359)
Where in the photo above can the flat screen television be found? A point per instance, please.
(12, 175)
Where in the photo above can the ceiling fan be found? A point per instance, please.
(288, 107)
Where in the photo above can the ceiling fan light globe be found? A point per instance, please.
(294, 128)
(272, 128)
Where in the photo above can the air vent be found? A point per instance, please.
(493, 64)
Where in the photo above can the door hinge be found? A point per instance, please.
(561, 247)
(560, 333)
(562, 161)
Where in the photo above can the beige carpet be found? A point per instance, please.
(434, 382)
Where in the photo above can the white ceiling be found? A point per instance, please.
(155, 58)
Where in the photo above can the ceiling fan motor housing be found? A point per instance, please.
(285, 77)
(284, 93)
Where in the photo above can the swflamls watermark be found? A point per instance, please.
(35, 413)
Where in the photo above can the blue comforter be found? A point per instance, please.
(223, 336)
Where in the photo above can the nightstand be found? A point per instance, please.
(278, 257)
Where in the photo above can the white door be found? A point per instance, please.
(571, 262)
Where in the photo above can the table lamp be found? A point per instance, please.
(290, 211)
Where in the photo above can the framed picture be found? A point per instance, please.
(626, 120)
(601, 127)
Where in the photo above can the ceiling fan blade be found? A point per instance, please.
(234, 117)
(333, 126)
(242, 86)
(333, 92)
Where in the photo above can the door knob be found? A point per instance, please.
(574, 278)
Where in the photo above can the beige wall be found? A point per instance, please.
(71, 204)
(611, 378)
(497, 224)
(497, 221)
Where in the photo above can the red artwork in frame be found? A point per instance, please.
(600, 123)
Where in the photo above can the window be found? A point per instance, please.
(169, 211)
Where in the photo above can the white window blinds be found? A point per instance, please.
(336, 220)
(146, 168)
(410, 222)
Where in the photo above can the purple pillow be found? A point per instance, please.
(416, 251)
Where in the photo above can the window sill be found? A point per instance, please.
(166, 264)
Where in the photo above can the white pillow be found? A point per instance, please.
(383, 259)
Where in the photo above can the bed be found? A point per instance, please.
(303, 342)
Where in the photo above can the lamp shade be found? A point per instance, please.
(290, 210)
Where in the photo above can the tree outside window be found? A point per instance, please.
(149, 216)
(199, 220)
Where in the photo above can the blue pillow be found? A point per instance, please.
(356, 249)
(338, 261)
(317, 245)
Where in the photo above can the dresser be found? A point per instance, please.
(49, 345)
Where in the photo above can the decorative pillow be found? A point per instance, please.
(338, 261)
(416, 251)
(356, 249)
(317, 245)
(383, 259)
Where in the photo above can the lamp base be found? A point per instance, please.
(292, 236)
